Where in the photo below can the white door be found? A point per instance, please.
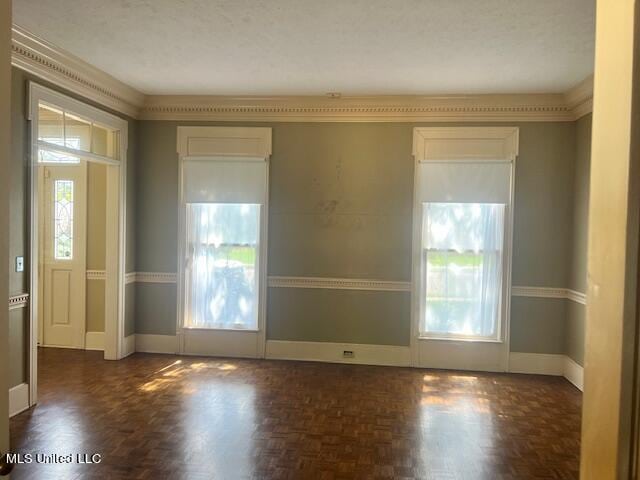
(63, 206)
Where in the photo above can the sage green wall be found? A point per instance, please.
(340, 206)
(576, 313)
(19, 216)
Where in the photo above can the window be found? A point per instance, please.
(223, 243)
(462, 255)
(64, 136)
(63, 219)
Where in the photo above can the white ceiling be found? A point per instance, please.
(310, 47)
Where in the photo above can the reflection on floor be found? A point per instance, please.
(168, 417)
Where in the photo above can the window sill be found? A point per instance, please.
(205, 329)
(460, 339)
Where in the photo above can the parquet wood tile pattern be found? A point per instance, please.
(170, 417)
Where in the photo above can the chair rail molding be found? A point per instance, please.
(53, 64)
(550, 292)
(18, 301)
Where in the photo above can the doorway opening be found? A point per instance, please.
(77, 254)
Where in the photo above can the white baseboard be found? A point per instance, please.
(156, 343)
(547, 364)
(94, 341)
(129, 345)
(536, 363)
(18, 399)
(333, 352)
(574, 373)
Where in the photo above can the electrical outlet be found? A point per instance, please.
(19, 264)
(348, 354)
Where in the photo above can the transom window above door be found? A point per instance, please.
(65, 136)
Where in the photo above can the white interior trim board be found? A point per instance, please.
(18, 301)
(574, 372)
(18, 399)
(155, 277)
(338, 283)
(363, 354)
(576, 296)
(536, 363)
(391, 108)
(156, 343)
(129, 345)
(550, 292)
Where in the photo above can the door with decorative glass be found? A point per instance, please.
(63, 265)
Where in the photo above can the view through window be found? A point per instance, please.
(462, 255)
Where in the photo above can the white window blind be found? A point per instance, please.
(224, 181)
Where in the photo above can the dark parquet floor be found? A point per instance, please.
(168, 417)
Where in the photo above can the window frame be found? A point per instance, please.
(223, 144)
(423, 293)
(458, 146)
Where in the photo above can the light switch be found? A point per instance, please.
(19, 264)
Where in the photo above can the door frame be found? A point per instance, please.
(115, 225)
(462, 144)
(211, 144)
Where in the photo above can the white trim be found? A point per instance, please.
(576, 296)
(43, 59)
(334, 283)
(96, 274)
(338, 283)
(385, 108)
(116, 224)
(580, 98)
(18, 399)
(547, 364)
(129, 345)
(539, 292)
(550, 292)
(364, 354)
(213, 144)
(154, 277)
(39, 57)
(467, 144)
(94, 341)
(18, 301)
(574, 373)
(156, 343)
(471, 145)
(536, 363)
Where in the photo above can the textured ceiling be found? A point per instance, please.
(308, 47)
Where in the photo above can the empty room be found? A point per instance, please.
(338, 240)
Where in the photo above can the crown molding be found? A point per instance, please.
(391, 108)
(44, 60)
(580, 98)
